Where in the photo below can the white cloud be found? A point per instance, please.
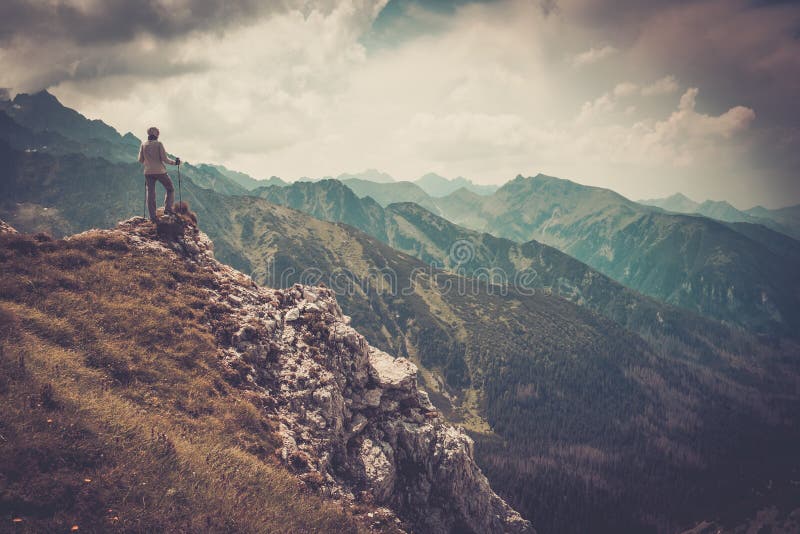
(663, 86)
(625, 89)
(487, 96)
(593, 55)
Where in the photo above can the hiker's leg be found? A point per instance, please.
(150, 181)
(169, 198)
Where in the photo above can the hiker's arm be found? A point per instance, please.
(164, 156)
(141, 154)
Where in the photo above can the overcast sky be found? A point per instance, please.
(647, 98)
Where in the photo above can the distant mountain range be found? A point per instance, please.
(431, 184)
(584, 396)
(439, 186)
(741, 273)
(784, 220)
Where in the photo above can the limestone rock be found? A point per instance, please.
(350, 417)
(391, 373)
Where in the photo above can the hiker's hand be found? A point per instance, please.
(177, 161)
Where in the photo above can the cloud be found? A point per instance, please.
(593, 55)
(465, 136)
(608, 101)
(686, 121)
(678, 140)
(625, 89)
(662, 86)
(308, 89)
(115, 21)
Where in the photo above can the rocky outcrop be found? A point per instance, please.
(352, 421)
(6, 228)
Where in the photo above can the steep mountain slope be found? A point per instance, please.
(531, 266)
(579, 423)
(345, 414)
(679, 203)
(520, 370)
(209, 177)
(118, 425)
(723, 211)
(40, 123)
(690, 261)
(439, 186)
(331, 201)
(247, 181)
(788, 217)
(385, 194)
(42, 113)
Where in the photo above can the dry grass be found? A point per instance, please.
(115, 414)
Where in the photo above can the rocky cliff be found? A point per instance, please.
(352, 421)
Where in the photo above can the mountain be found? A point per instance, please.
(722, 276)
(247, 181)
(369, 175)
(331, 201)
(386, 194)
(679, 203)
(722, 211)
(690, 261)
(210, 177)
(439, 186)
(777, 220)
(42, 113)
(40, 123)
(463, 207)
(411, 229)
(247, 374)
(788, 218)
(579, 422)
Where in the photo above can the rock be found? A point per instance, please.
(391, 373)
(378, 469)
(358, 424)
(372, 397)
(6, 228)
(350, 418)
(425, 401)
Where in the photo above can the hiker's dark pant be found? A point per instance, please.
(169, 199)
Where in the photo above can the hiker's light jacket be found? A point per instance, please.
(153, 155)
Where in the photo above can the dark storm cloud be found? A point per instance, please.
(117, 21)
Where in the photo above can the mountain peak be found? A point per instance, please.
(372, 175)
(431, 177)
(41, 98)
(680, 196)
(439, 186)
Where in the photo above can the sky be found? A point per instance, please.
(646, 98)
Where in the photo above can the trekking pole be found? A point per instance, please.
(180, 197)
(144, 204)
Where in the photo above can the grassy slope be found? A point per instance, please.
(114, 413)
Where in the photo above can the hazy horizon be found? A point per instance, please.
(646, 100)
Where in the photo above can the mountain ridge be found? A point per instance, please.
(567, 408)
(780, 220)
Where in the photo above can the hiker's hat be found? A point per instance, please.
(153, 131)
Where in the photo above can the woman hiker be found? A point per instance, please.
(153, 156)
